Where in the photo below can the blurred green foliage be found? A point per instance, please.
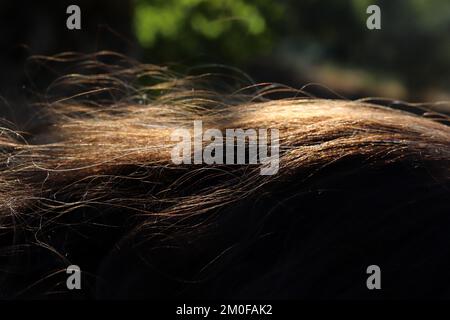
(413, 45)
(233, 30)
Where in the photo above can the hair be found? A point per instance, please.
(91, 183)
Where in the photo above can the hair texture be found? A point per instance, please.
(91, 183)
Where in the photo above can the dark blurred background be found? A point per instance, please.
(294, 42)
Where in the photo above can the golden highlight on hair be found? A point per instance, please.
(105, 146)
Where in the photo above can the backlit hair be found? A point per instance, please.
(93, 184)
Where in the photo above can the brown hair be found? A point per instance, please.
(94, 185)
